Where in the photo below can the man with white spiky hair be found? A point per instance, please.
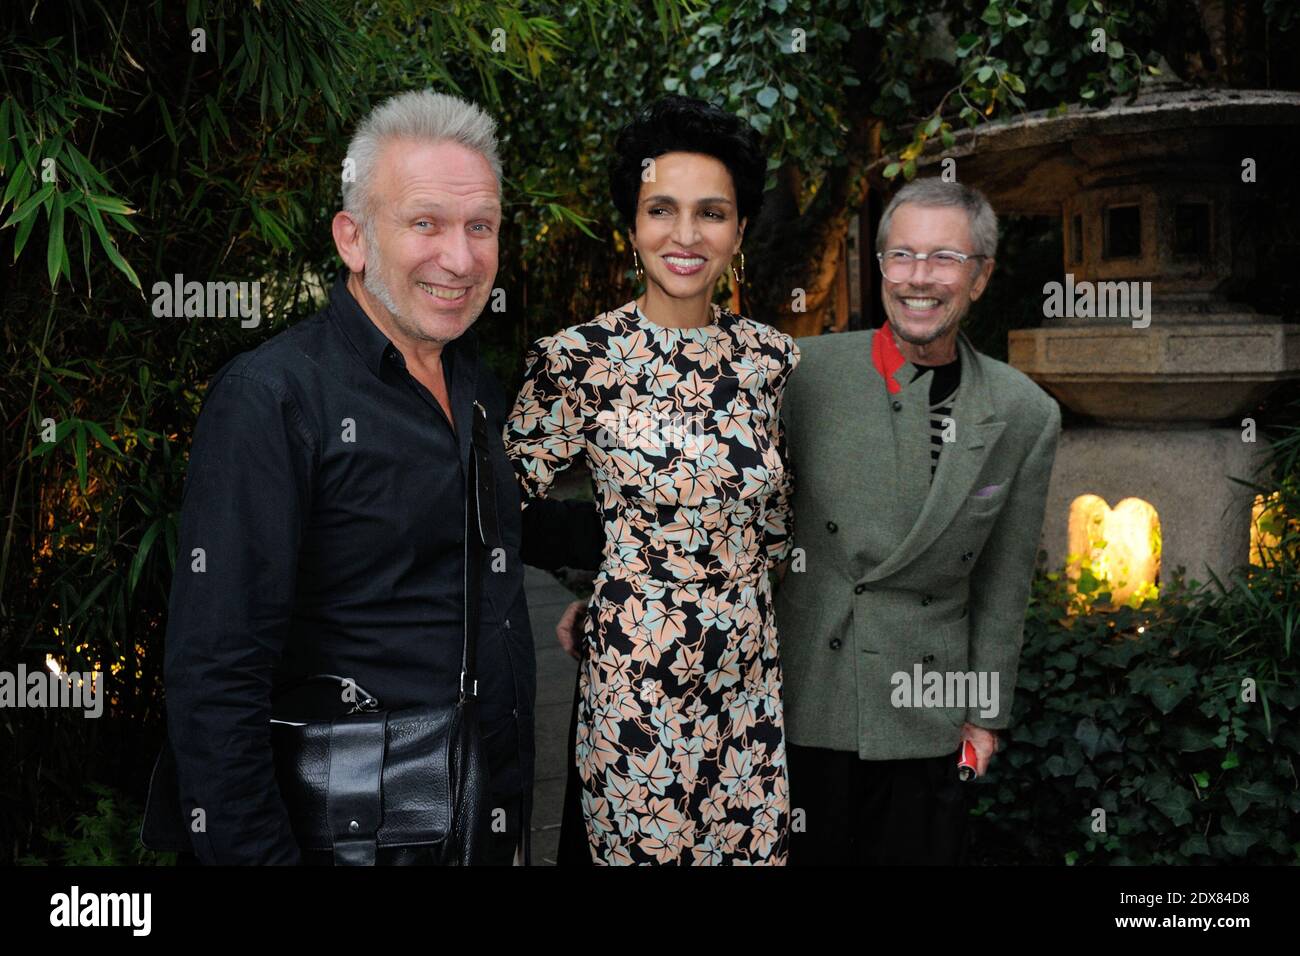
(323, 524)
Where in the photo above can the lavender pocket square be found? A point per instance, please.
(987, 491)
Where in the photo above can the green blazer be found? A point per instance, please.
(898, 571)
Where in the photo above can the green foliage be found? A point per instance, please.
(1007, 56)
(107, 837)
(1179, 718)
(134, 148)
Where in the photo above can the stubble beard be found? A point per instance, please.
(930, 337)
(370, 279)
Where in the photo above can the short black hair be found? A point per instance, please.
(682, 124)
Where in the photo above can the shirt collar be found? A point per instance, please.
(372, 346)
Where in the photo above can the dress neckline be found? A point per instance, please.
(699, 332)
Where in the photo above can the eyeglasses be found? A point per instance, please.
(897, 265)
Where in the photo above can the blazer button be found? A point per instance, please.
(836, 643)
(898, 406)
(966, 556)
(927, 659)
(925, 601)
(858, 589)
(832, 527)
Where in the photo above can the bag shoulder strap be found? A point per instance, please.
(481, 531)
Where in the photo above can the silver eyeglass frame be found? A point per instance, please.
(962, 257)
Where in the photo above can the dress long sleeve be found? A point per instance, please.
(543, 435)
(778, 523)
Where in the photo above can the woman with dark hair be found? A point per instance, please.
(675, 405)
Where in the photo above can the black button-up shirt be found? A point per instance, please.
(322, 532)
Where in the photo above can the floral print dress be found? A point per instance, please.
(680, 744)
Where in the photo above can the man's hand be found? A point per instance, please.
(985, 743)
(569, 630)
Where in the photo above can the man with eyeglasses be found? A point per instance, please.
(920, 473)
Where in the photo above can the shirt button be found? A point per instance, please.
(925, 601)
(832, 527)
(507, 623)
(836, 644)
(898, 406)
(927, 659)
(859, 588)
(966, 556)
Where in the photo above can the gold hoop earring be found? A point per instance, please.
(740, 279)
(640, 273)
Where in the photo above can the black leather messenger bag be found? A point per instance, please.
(367, 784)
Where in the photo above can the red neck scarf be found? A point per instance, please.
(886, 357)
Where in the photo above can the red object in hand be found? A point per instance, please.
(966, 764)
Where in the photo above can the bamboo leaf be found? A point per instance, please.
(109, 248)
(79, 452)
(55, 253)
(103, 437)
(30, 206)
(20, 238)
(142, 554)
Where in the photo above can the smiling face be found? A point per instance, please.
(921, 310)
(687, 226)
(428, 254)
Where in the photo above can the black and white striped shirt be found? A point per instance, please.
(943, 397)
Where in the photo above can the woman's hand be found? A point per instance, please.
(569, 630)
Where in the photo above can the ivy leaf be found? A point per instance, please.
(1176, 803)
(767, 97)
(1261, 791)
(1238, 836)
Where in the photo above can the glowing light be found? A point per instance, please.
(1267, 525)
(1114, 549)
(52, 664)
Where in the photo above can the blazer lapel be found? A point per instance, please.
(959, 463)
